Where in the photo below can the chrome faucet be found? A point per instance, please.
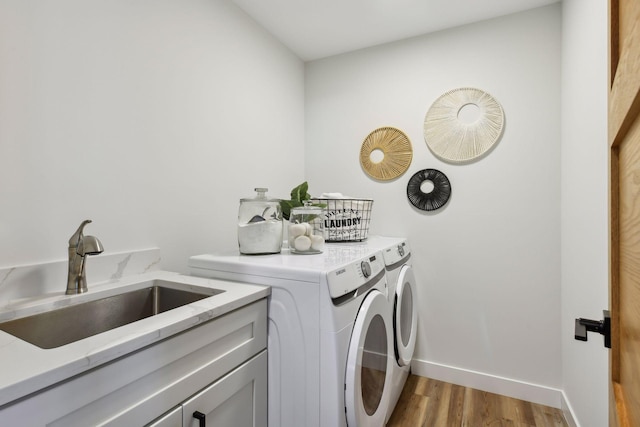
(79, 247)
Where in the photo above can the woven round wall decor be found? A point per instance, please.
(396, 149)
(436, 198)
(451, 137)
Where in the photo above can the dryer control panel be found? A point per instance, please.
(353, 276)
(396, 255)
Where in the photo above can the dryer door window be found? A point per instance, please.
(367, 380)
(405, 319)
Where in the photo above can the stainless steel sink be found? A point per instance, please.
(56, 328)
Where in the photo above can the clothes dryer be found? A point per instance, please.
(329, 333)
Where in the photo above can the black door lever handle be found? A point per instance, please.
(600, 326)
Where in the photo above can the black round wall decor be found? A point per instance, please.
(434, 199)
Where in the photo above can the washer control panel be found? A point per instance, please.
(350, 277)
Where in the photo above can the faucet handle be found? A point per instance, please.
(75, 239)
(89, 245)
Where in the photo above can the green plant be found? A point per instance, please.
(298, 196)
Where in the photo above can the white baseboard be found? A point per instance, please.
(505, 386)
(567, 410)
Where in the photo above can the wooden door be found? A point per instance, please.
(624, 157)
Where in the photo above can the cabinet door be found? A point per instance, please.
(239, 399)
(170, 419)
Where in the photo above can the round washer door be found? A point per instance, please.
(405, 316)
(369, 362)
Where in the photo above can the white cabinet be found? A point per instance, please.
(239, 399)
(215, 368)
(172, 418)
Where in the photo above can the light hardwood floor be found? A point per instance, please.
(430, 403)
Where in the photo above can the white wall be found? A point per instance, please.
(584, 205)
(153, 118)
(489, 262)
(150, 117)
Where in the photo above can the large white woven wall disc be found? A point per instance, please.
(455, 135)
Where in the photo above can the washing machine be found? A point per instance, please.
(330, 345)
(402, 299)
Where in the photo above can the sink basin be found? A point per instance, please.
(63, 326)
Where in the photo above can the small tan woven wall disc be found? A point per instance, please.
(396, 149)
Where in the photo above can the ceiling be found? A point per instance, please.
(315, 29)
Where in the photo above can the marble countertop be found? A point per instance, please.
(26, 368)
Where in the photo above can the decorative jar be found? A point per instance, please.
(260, 224)
(306, 229)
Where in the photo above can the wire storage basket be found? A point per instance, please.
(345, 220)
